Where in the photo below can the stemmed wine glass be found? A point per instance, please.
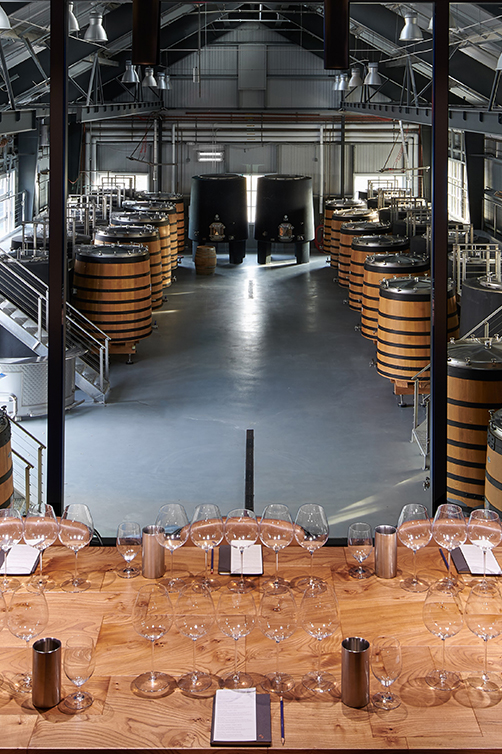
(414, 530)
(172, 529)
(193, 617)
(241, 531)
(79, 662)
(311, 533)
(360, 545)
(442, 614)
(235, 615)
(276, 532)
(206, 532)
(483, 616)
(318, 616)
(11, 532)
(449, 530)
(277, 620)
(152, 617)
(484, 531)
(27, 616)
(128, 545)
(75, 532)
(41, 530)
(386, 661)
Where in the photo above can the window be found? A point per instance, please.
(138, 181)
(251, 190)
(8, 214)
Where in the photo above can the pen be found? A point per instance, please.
(212, 560)
(444, 559)
(282, 722)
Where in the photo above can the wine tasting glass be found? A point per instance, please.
(414, 530)
(79, 662)
(172, 532)
(442, 614)
(235, 615)
(11, 532)
(277, 620)
(311, 533)
(483, 616)
(75, 532)
(386, 662)
(360, 545)
(27, 616)
(193, 617)
(129, 546)
(206, 532)
(276, 532)
(318, 616)
(449, 530)
(241, 531)
(152, 617)
(41, 530)
(484, 531)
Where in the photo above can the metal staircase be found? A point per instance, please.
(23, 312)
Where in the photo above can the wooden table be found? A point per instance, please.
(428, 720)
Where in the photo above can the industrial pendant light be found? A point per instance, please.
(336, 83)
(355, 79)
(372, 77)
(95, 31)
(411, 31)
(73, 26)
(343, 85)
(4, 20)
(168, 81)
(130, 75)
(161, 80)
(149, 79)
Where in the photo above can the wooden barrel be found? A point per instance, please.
(177, 200)
(6, 475)
(112, 288)
(330, 206)
(404, 326)
(474, 389)
(205, 260)
(349, 233)
(168, 208)
(154, 219)
(140, 234)
(379, 267)
(340, 217)
(493, 474)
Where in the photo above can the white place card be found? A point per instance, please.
(474, 558)
(21, 560)
(253, 560)
(234, 715)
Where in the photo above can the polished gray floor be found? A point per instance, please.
(269, 348)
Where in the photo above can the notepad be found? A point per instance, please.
(241, 716)
(469, 559)
(229, 560)
(22, 560)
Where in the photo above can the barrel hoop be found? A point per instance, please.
(6, 476)
(118, 302)
(113, 259)
(462, 425)
(469, 404)
(465, 479)
(396, 375)
(468, 495)
(134, 330)
(495, 443)
(132, 312)
(404, 319)
(386, 354)
(493, 481)
(488, 375)
(468, 464)
(385, 293)
(401, 345)
(465, 445)
(113, 290)
(113, 277)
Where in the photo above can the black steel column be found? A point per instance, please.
(475, 167)
(439, 261)
(57, 254)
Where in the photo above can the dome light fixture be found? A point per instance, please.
(130, 75)
(411, 31)
(149, 79)
(373, 77)
(343, 84)
(355, 79)
(4, 20)
(161, 80)
(168, 81)
(336, 82)
(73, 26)
(95, 31)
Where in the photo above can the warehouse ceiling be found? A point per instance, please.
(186, 28)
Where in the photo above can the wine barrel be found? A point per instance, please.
(6, 475)
(379, 267)
(474, 389)
(340, 217)
(141, 234)
(404, 326)
(159, 221)
(112, 288)
(167, 208)
(493, 473)
(178, 201)
(205, 260)
(330, 206)
(349, 234)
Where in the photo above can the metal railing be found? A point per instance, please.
(27, 465)
(12, 218)
(486, 256)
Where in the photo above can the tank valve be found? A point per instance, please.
(216, 230)
(285, 230)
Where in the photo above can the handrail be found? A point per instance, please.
(19, 434)
(27, 468)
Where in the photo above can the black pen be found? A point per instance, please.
(212, 560)
(444, 559)
(282, 722)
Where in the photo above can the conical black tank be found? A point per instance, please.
(218, 213)
(284, 214)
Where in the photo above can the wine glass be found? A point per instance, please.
(27, 616)
(484, 531)
(483, 616)
(40, 531)
(442, 614)
(318, 616)
(276, 532)
(277, 620)
(241, 531)
(193, 617)
(75, 532)
(360, 545)
(79, 661)
(11, 532)
(414, 530)
(172, 532)
(152, 617)
(311, 533)
(235, 615)
(449, 530)
(128, 545)
(386, 661)
(206, 532)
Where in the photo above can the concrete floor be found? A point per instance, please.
(269, 348)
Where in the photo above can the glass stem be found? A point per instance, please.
(484, 563)
(415, 579)
(449, 565)
(28, 673)
(5, 579)
(311, 566)
(152, 659)
(241, 582)
(205, 566)
(194, 675)
(319, 658)
(277, 566)
(442, 672)
(485, 671)
(235, 657)
(75, 576)
(172, 565)
(277, 658)
(41, 564)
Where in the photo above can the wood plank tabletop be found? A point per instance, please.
(464, 719)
